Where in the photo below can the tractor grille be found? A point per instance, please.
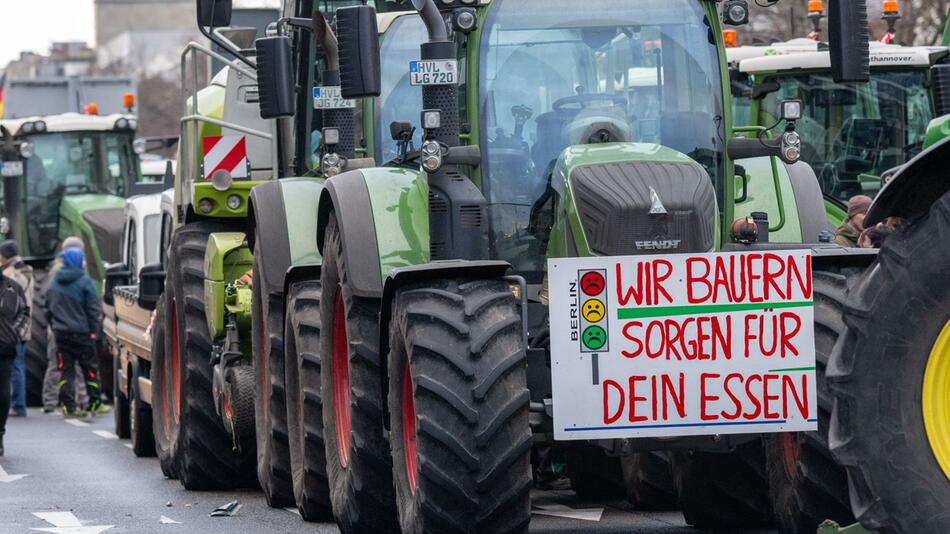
(645, 207)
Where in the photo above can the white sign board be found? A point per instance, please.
(440, 72)
(331, 98)
(680, 344)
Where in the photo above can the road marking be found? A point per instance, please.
(560, 510)
(129, 445)
(67, 523)
(4, 477)
(75, 422)
(292, 510)
(105, 434)
(165, 520)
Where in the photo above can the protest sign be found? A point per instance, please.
(651, 346)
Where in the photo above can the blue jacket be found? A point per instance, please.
(72, 303)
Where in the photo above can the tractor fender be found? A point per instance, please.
(919, 183)
(284, 214)
(400, 277)
(383, 217)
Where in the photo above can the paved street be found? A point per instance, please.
(79, 473)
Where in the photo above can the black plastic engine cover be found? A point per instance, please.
(638, 207)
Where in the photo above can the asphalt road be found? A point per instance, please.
(81, 479)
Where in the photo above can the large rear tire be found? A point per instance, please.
(805, 483)
(36, 360)
(648, 478)
(723, 490)
(594, 475)
(270, 410)
(890, 374)
(308, 455)
(207, 456)
(164, 427)
(359, 464)
(461, 441)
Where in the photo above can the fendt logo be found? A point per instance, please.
(666, 244)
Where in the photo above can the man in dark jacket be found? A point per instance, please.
(74, 315)
(14, 320)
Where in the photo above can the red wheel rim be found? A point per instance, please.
(175, 367)
(409, 430)
(340, 377)
(790, 450)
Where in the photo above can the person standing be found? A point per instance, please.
(74, 314)
(14, 319)
(17, 270)
(53, 376)
(848, 233)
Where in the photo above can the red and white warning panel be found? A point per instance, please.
(225, 153)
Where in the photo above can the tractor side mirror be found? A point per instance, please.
(275, 77)
(848, 40)
(941, 81)
(116, 276)
(214, 13)
(359, 52)
(151, 285)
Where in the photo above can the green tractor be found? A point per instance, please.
(64, 175)
(211, 420)
(416, 339)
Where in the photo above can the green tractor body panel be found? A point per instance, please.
(400, 203)
(219, 199)
(937, 130)
(78, 216)
(835, 212)
(227, 258)
(301, 196)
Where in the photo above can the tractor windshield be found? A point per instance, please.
(73, 163)
(556, 73)
(851, 134)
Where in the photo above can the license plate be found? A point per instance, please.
(441, 72)
(11, 168)
(330, 98)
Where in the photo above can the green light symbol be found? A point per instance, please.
(594, 337)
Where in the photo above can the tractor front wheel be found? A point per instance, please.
(359, 464)
(458, 400)
(890, 375)
(164, 416)
(648, 478)
(302, 366)
(140, 417)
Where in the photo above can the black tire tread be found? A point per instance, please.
(273, 456)
(472, 434)
(594, 475)
(164, 448)
(207, 457)
(877, 430)
(143, 440)
(35, 359)
(302, 366)
(648, 478)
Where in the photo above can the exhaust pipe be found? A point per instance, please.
(432, 19)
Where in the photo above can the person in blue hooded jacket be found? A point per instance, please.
(73, 312)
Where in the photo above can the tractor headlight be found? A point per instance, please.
(205, 205)
(431, 156)
(221, 180)
(27, 128)
(39, 126)
(133, 124)
(139, 146)
(234, 202)
(735, 12)
(332, 164)
(26, 150)
(121, 124)
(791, 146)
(464, 20)
(791, 110)
(431, 119)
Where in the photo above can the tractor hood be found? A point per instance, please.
(638, 198)
(99, 220)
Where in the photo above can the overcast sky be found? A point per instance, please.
(34, 24)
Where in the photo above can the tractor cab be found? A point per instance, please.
(76, 171)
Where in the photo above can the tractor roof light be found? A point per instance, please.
(133, 123)
(128, 101)
(26, 150)
(92, 108)
(816, 7)
(735, 12)
(464, 20)
(891, 7)
(791, 146)
(431, 156)
(122, 124)
(791, 110)
(39, 126)
(730, 38)
(332, 164)
(27, 127)
(431, 119)
(331, 136)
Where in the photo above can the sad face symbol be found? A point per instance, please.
(594, 337)
(593, 310)
(592, 283)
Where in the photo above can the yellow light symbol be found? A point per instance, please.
(593, 310)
